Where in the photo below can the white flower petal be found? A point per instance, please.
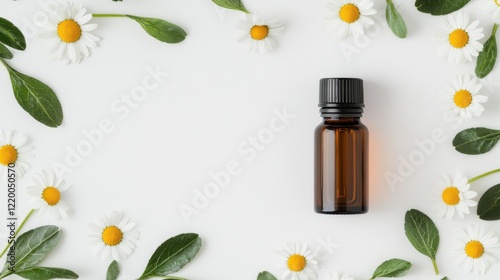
(126, 245)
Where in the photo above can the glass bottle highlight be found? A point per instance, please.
(341, 149)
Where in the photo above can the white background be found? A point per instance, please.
(215, 98)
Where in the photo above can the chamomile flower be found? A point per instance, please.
(113, 236)
(69, 33)
(491, 7)
(475, 249)
(47, 195)
(258, 34)
(462, 101)
(455, 196)
(458, 38)
(336, 276)
(349, 17)
(14, 150)
(298, 263)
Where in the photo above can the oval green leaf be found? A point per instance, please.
(113, 271)
(46, 273)
(439, 7)
(488, 207)
(488, 56)
(160, 29)
(231, 4)
(5, 52)
(36, 98)
(395, 20)
(32, 246)
(264, 275)
(422, 234)
(172, 255)
(11, 35)
(475, 141)
(392, 268)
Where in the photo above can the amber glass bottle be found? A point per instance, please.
(341, 149)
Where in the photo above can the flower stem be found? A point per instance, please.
(17, 231)
(436, 269)
(483, 175)
(108, 15)
(6, 66)
(495, 26)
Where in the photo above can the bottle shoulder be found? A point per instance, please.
(337, 124)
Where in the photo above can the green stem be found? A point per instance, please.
(17, 231)
(5, 274)
(483, 175)
(389, 2)
(6, 66)
(436, 269)
(108, 15)
(495, 26)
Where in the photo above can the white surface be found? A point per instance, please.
(215, 98)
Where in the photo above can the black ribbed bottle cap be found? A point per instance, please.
(341, 97)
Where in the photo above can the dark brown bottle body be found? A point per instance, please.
(341, 166)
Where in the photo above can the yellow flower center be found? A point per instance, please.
(259, 32)
(296, 263)
(112, 236)
(474, 249)
(497, 2)
(51, 195)
(458, 38)
(462, 98)
(349, 13)
(8, 154)
(450, 196)
(69, 31)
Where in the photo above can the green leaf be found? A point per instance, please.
(172, 255)
(395, 20)
(113, 271)
(475, 141)
(439, 7)
(4, 52)
(422, 234)
(488, 56)
(488, 208)
(161, 30)
(231, 4)
(36, 98)
(11, 35)
(445, 278)
(264, 275)
(46, 273)
(392, 268)
(32, 246)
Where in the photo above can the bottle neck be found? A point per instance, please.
(340, 119)
(341, 111)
